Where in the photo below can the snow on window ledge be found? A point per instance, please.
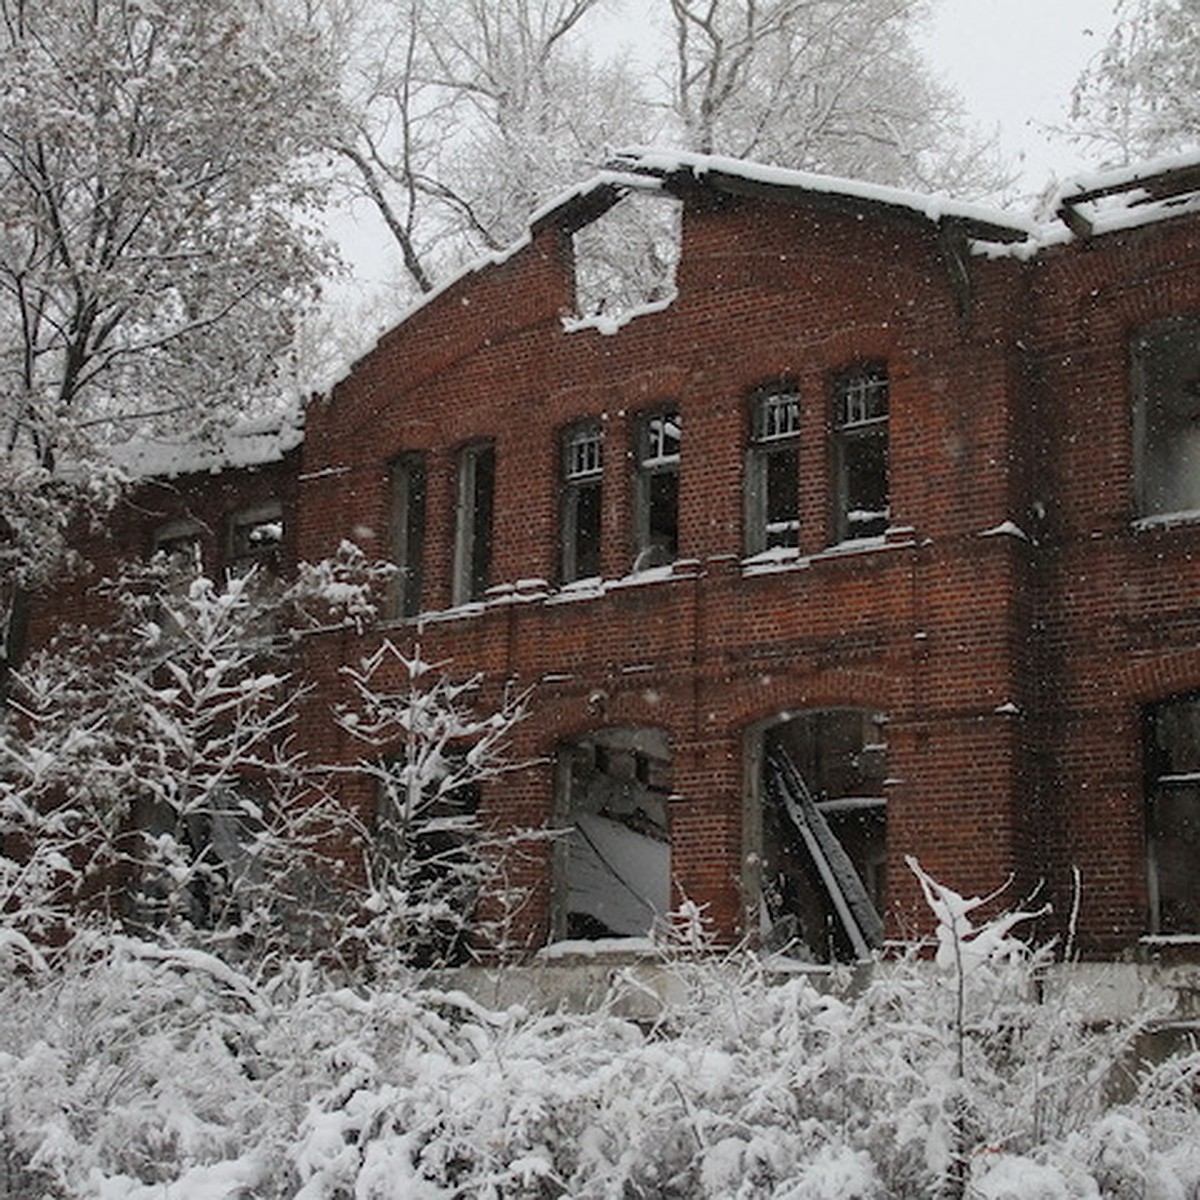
(609, 324)
(609, 947)
(1006, 529)
(771, 562)
(1167, 520)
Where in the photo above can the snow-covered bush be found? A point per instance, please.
(428, 855)
(132, 1071)
(147, 777)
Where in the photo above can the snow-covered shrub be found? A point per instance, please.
(130, 1071)
(426, 750)
(147, 775)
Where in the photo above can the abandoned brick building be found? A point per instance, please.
(877, 534)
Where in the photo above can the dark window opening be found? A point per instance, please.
(613, 876)
(861, 453)
(406, 533)
(256, 539)
(196, 866)
(583, 467)
(1171, 750)
(773, 472)
(179, 543)
(1166, 362)
(425, 854)
(473, 524)
(657, 496)
(178, 562)
(823, 833)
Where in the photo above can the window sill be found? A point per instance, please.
(771, 562)
(1172, 520)
(606, 948)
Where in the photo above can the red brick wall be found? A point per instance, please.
(1011, 668)
(928, 628)
(1117, 603)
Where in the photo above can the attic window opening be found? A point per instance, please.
(626, 258)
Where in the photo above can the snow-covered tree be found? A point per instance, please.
(463, 116)
(146, 776)
(148, 779)
(1140, 98)
(834, 86)
(157, 197)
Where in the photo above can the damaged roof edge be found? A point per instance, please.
(680, 171)
(1171, 183)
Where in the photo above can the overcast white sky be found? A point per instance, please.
(1014, 63)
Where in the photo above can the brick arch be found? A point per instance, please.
(843, 347)
(756, 702)
(581, 396)
(577, 718)
(761, 362)
(667, 381)
(1162, 677)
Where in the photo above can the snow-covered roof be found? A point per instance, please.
(677, 169)
(1108, 201)
(1082, 207)
(252, 442)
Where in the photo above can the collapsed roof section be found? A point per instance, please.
(1130, 196)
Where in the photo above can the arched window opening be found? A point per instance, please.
(822, 833)
(613, 875)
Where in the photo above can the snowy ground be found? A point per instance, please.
(131, 1071)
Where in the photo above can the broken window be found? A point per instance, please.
(473, 522)
(1166, 419)
(583, 468)
(613, 876)
(406, 533)
(255, 538)
(656, 507)
(425, 853)
(823, 833)
(197, 865)
(861, 452)
(773, 470)
(180, 545)
(1171, 751)
(626, 257)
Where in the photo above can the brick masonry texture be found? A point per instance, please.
(1012, 669)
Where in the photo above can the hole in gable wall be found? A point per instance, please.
(626, 258)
